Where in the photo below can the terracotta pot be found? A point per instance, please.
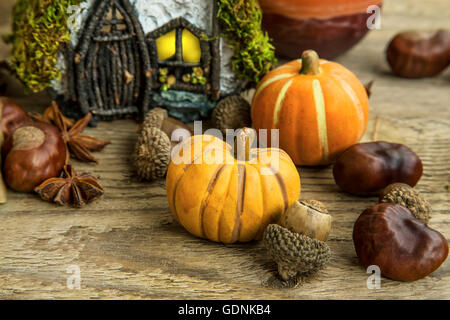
(330, 27)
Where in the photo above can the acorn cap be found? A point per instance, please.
(315, 205)
(405, 195)
(294, 253)
(231, 113)
(152, 154)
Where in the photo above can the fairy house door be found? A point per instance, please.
(112, 62)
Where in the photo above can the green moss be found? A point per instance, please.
(240, 21)
(39, 28)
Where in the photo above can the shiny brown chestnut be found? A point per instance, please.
(12, 116)
(33, 153)
(419, 54)
(403, 247)
(366, 168)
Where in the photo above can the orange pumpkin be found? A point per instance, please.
(320, 108)
(213, 195)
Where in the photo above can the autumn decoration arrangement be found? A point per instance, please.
(241, 192)
(36, 152)
(331, 109)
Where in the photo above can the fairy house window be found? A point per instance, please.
(183, 57)
(125, 57)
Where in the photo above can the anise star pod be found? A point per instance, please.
(70, 188)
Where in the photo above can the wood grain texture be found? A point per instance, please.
(128, 246)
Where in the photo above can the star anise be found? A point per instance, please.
(49, 117)
(70, 188)
(80, 146)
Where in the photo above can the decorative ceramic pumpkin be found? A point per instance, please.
(225, 199)
(329, 27)
(320, 107)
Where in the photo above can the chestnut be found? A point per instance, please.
(12, 116)
(3, 191)
(32, 154)
(390, 237)
(419, 54)
(367, 168)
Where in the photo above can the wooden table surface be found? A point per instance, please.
(127, 246)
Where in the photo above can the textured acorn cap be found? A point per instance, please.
(294, 253)
(231, 113)
(315, 204)
(152, 154)
(405, 195)
(155, 118)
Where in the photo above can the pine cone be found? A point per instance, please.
(231, 113)
(155, 118)
(152, 154)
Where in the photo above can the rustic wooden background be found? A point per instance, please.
(128, 246)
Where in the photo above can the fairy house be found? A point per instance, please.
(118, 58)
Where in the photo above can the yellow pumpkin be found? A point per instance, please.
(320, 108)
(216, 196)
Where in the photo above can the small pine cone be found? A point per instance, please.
(154, 118)
(231, 113)
(152, 154)
(294, 253)
(404, 195)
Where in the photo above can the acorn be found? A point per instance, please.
(231, 113)
(308, 217)
(159, 134)
(296, 254)
(405, 195)
(297, 242)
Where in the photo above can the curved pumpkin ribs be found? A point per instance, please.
(207, 197)
(320, 108)
(230, 200)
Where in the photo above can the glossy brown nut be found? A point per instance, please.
(366, 168)
(405, 249)
(34, 153)
(12, 116)
(419, 54)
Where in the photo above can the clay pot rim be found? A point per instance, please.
(325, 9)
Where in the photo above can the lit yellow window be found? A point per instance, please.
(166, 46)
(191, 47)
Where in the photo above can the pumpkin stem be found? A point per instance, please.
(243, 143)
(310, 63)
